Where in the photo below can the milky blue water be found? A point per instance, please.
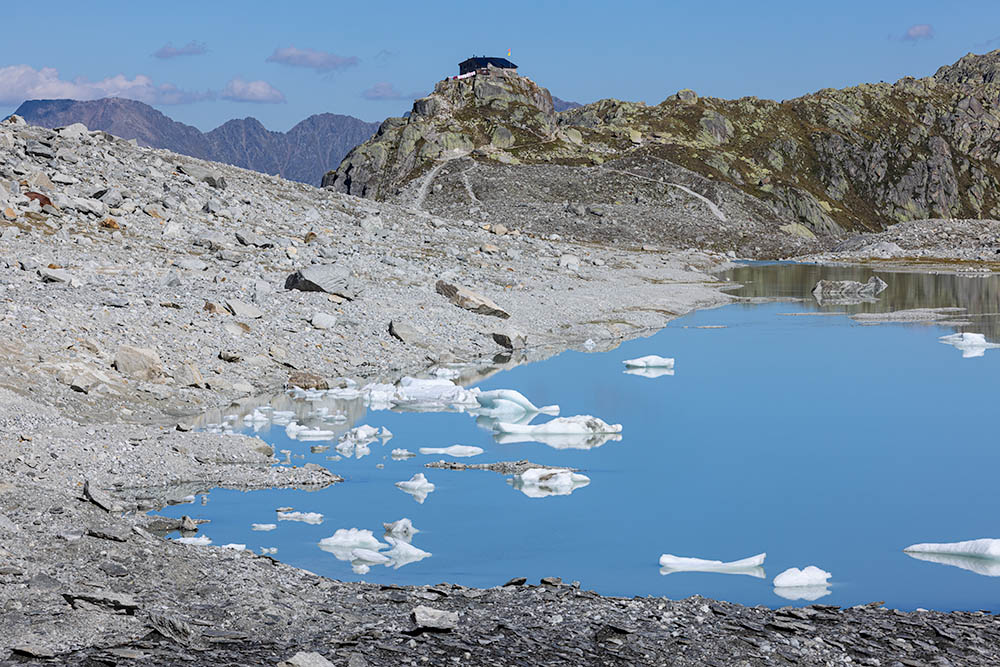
(815, 439)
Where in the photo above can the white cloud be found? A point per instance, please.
(383, 90)
(23, 82)
(189, 49)
(918, 32)
(321, 61)
(260, 92)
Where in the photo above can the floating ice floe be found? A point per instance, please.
(497, 402)
(296, 431)
(266, 551)
(346, 540)
(793, 577)
(751, 566)
(454, 450)
(650, 361)
(544, 482)
(200, 541)
(401, 529)
(431, 394)
(305, 517)
(417, 486)
(579, 432)
(971, 344)
(651, 372)
(403, 553)
(985, 548)
(263, 526)
(355, 442)
(402, 454)
(235, 547)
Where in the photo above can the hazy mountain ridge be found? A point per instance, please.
(304, 153)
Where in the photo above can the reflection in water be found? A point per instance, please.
(650, 361)
(809, 593)
(544, 482)
(649, 372)
(988, 567)
(971, 344)
(978, 294)
(417, 486)
(559, 440)
(752, 566)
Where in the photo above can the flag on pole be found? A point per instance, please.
(508, 53)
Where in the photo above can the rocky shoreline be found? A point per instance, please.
(141, 289)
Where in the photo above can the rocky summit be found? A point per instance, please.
(825, 164)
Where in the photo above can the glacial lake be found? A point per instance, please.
(787, 428)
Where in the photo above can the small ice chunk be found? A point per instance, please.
(750, 566)
(982, 548)
(650, 361)
(417, 486)
(402, 454)
(369, 556)
(346, 540)
(403, 553)
(971, 344)
(200, 541)
(266, 551)
(649, 372)
(807, 576)
(402, 529)
(578, 425)
(509, 401)
(559, 441)
(263, 526)
(304, 517)
(544, 482)
(801, 592)
(433, 392)
(454, 450)
(589, 344)
(235, 547)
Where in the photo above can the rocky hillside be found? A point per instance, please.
(854, 159)
(303, 154)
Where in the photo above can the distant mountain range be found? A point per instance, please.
(564, 105)
(304, 153)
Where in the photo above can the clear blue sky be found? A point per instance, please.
(368, 59)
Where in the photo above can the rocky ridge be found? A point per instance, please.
(858, 159)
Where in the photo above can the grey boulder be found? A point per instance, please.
(428, 618)
(329, 278)
(469, 300)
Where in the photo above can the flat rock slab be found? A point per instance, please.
(408, 333)
(243, 309)
(303, 659)
(469, 300)
(140, 363)
(329, 278)
(428, 618)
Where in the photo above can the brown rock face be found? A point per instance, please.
(469, 300)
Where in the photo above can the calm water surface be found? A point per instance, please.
(815, 439)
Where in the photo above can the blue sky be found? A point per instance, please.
(282, 62)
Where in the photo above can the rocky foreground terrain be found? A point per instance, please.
(814, 167)
(141, 288)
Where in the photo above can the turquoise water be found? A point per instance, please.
(815, 439)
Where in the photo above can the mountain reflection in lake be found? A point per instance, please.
(817, 440)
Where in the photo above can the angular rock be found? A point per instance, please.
(323, 321)
(57, 276)
(188, 375)
(119, 602)
(202, 174)
(428, 618)
(100, 498)
(140, 363)
(571, 262)
(512, 339)
(469, 300)
(408, 333)
(306, 380)
(243, 309)
(303, 659)
(330, 278)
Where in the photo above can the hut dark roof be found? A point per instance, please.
(482, 61)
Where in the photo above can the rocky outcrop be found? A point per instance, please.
(860, 158)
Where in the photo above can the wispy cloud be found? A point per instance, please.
(918, 32)
(321, 61)
(383, 90)
(192, 48)
(23, 82)
(260, 92)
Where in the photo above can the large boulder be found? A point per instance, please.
(469, 300)
(329, 278)
(139, 363)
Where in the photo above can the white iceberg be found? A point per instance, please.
(971, 344)
(544, 482)
(986, 548)
(432, 394)
(369, 556)
(402, 454)
(200, 541)
(651, 372)
(751, 566)
(579, 432)
(417, 486)
(355, 442)
(793, 577)
(403, 553)
(650, 361)
(267, 551)
(509, 401)
(263, 526)
(296, 431)
(454, 450)
(314, 518)
(581, 441)
(343, 542)
(801, 592)
(401, 529)
(235, 547)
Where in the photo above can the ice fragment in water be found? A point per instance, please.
(454, 450)
(971, 344)
(201, 540)
(650, 361)
(649, 372)
(403, 553)
(346, 540)
(304, 517)
(355, 442)
(417, 486)
(801, 592)
(749, 566)
(580, 432)
(544, 482)
(235, 547)
(263, 526)
(807, 576)
(980, 556)
(369, 556)
(433, 393)
(402, 454)
(509, 401)
(559, 441)
(402, 529)
(265, 551)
